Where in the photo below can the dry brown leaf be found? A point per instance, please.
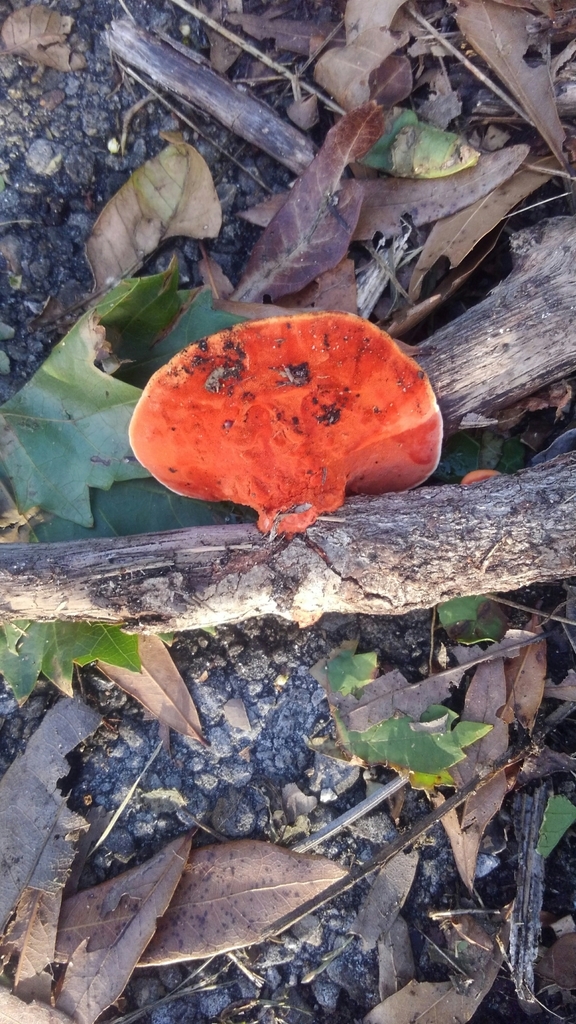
(36, 848)
(390, 694)
(304, 112)
(103, 931)
(566, 690)
(214, 278)
(385, 899)
(32, 934)
(454, 237)
(295, 36)
(38, 33)
(425, 1002)
(312, 230)
(223, 52)
(345, 71)
(558, 965)
(159, 687)
(228, 894)
(395, 959)
(465, 827)
(556, 396)
(500, 35)
(334, 289)
(387, 200)
(525, 679)
(172, 194)
(391, 82)
(13, 1010)
(251, 310)
(468, 928)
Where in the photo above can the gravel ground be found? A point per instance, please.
(54, 157)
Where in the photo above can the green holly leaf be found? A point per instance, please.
(53, 648)
(559, 815)
(429, 746)
(468, 620)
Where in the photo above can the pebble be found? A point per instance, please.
(43, 157)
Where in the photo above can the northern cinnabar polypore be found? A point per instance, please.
(289, 415)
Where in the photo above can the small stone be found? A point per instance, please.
(4, 360)
(44, 157)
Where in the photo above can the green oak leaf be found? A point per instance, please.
(53, 648)
(139, 506)
(468, 620)
(348, 672)
(197, 320)
(429, 746)
(559, 815)
(67, 429)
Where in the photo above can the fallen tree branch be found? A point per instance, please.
(383, 555)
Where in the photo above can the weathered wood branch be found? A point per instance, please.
(187, 74)
(384, 555)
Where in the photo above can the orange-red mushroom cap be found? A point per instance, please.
(289, 415)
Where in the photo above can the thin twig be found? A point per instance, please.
(126, 800)
(349, 817)
(255, 52)
(532, 611)
(467, 63)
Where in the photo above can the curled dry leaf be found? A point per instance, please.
(395, 959)
(558, 965)
(385, 899)
(228, 894)
(428, 1002)
(104, 930)
(159, 687)
(465, 826)
(38, 33)
(454, 237)
(312, 230)
(525, 680)
(346, 72)
(500, 35)
(32, 934)
(172, 194)
(35, 848)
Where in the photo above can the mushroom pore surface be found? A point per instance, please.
(288, 415)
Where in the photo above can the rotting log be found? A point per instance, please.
(379, 555)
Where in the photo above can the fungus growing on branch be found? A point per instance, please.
(289, 415)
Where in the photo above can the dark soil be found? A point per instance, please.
(54, 157)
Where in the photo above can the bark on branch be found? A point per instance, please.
(384, 555)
